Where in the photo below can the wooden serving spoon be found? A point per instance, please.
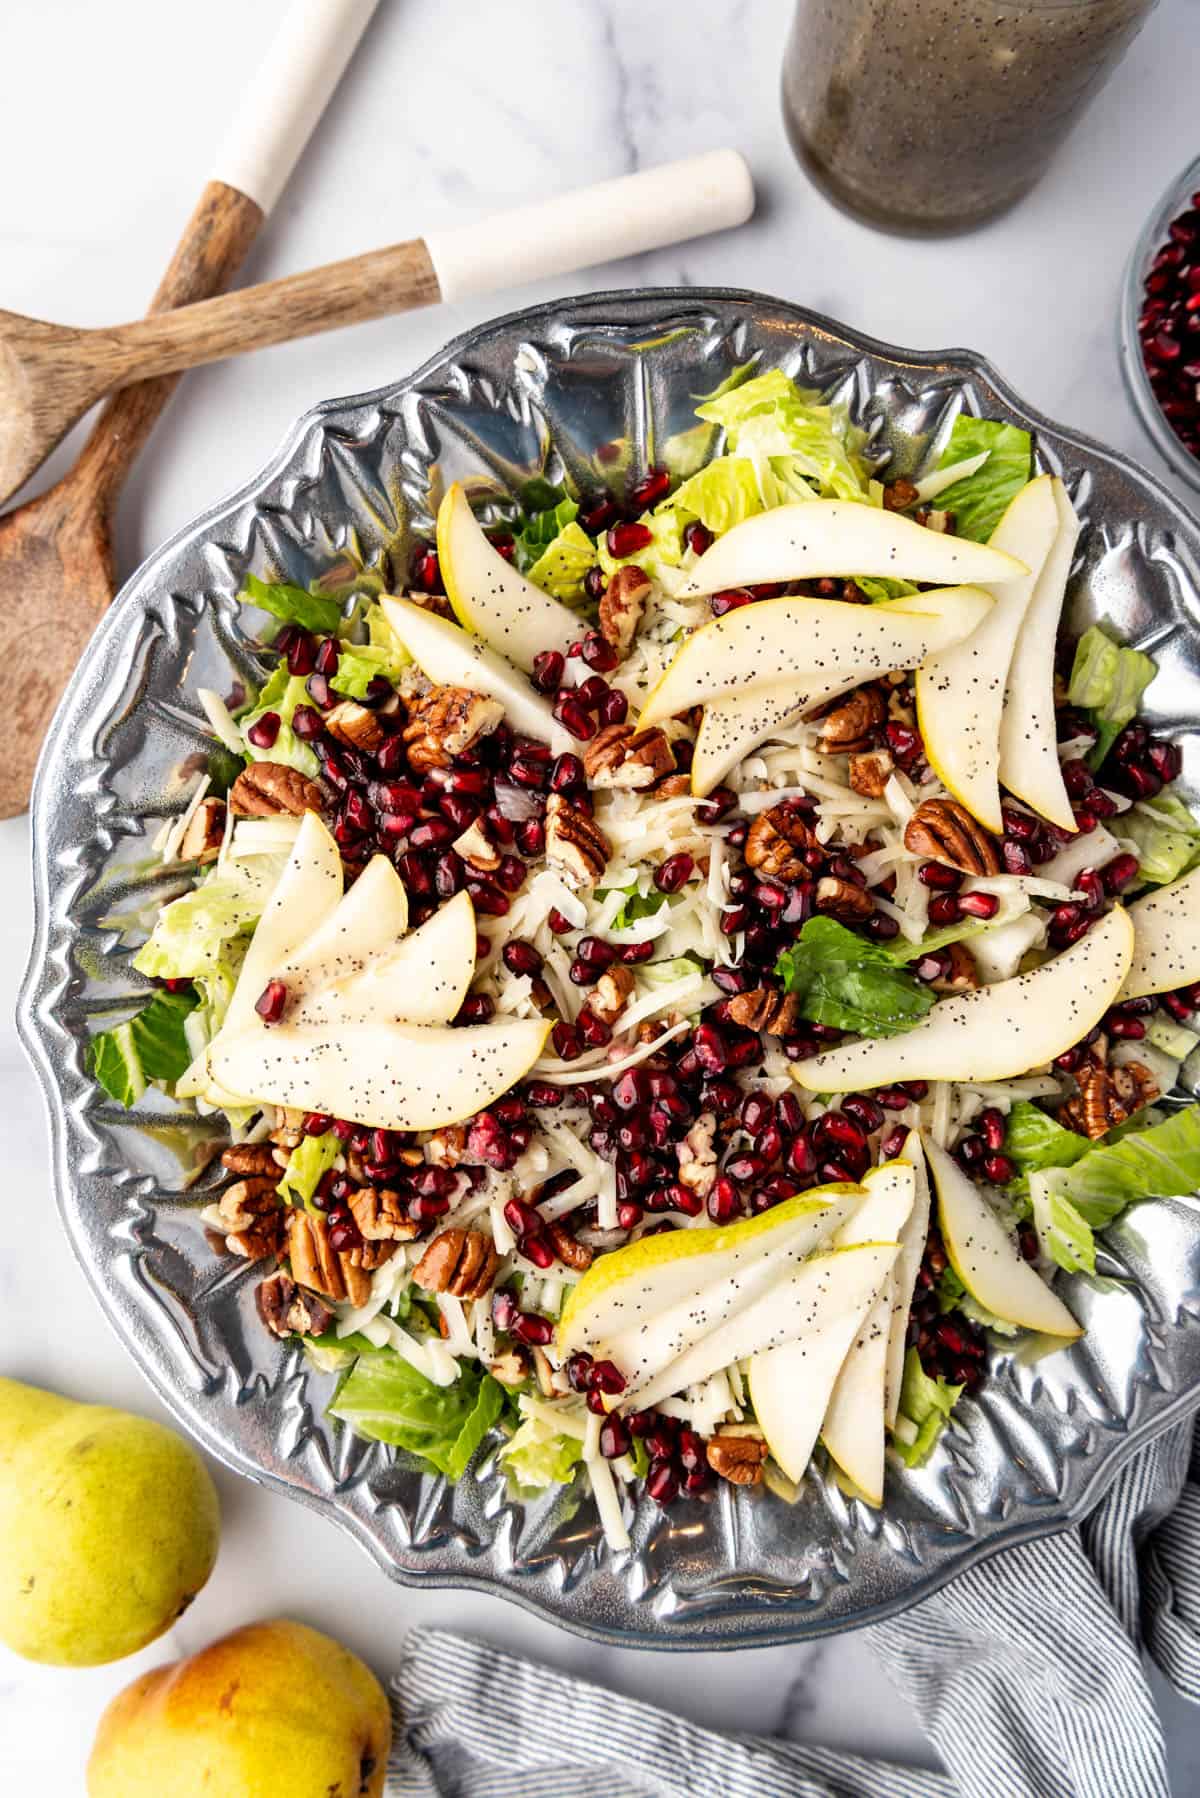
(57, 573)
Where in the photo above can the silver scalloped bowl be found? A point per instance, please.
(538, 392)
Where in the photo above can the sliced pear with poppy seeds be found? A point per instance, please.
(492, 598)
(814, 538)
(1029, 764)
(996, 1031)
(914, 1235)
(305, 896)
(368, 921)
(422, 980)
(452, 657)
(1166, 938)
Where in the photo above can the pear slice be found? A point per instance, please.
(384, 1076)
(492, 598)
(842, 537)
(423, 980)
(996, 1031)
(985, 1257)
(805, 640)
(791, 1386)
(306, 895)
(630, 1288)
(800, 1303)
(732, 728)
(368, 921)
(1166, 938)
(451, 657)
(1029, 764)
(960, 690)
(914, 1234)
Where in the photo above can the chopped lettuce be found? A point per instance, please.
(720, 496)
(925, 1407)
(797, 445)
(292, 604)
(151, 1046)
(282, 694)
(309, 1162)
(547, 513)
(638, 905)
(535, 1460)
(1034, 1140)
(1063, 1231)
(560, 568)
(360, 664)
(1107, 681)
(1167, 835)
(851, 983)
(380, 635)
(191, 934)
(664, 551)
(1161, 1161)
(877, 589)
(388, 1400)
(981, 500)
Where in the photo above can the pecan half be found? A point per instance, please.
(762, 1008)
(621, 756)
(736, 1453)
(571, 1253)
(252, 1217)
(776, 842)
(574, 842)
(1107, 1096)
(610, 995)
(273, 790)
(697, 1156)
(205, 829)
(460, 1262)
(380, 1216)
(871, 771)
(446, 1147)
(899, 495)
(942, 830)
(356, 725)
(446, 721)
(287, 1310)
(622, 606)
(841, 899)
(849, 727)
(251, 1158)
(317, 1264)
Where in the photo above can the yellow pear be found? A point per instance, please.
(108, 1528)
(272, 1708)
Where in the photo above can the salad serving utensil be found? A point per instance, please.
(57, 569)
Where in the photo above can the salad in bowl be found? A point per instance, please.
(685, 965)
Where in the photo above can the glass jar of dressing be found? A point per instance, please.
(928, 116)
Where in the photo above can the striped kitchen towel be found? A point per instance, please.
(1026, 1672)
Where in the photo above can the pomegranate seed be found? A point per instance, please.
(722, 1203)
(272, 1001)
(892, 1142)
(865, 1111)
(711, 1049)
(565, 1042)
(998, 1169)
(730, 600)
(319, 690)
(301, 655)
(548, 670)
(991, 1126)
(757, 1112)
(670, 875)
(790, 1113)
(1131, 1029)
(893, 1098)
(426, 570)
(328, 657)
(567, 775)
(615, 1439)
(595, 583)
(627, 539)
(768, 1144)
(800, 1158)
(970, 1151)
(316, 1123)
(614, 708)
(573, 717)
(477, 1009)
(629, 1215)
(714, 808)
(431, 833)
(597, 512)
(1017, 859)
(1167, 760)
(532, 1329)
(521, 958)
(510, 875)
(946, 909)
(939, 876)
(594, 1031)
(633, 954)
(836, 1134)
(662, 1484)
(697, 537)
(594, 691)
(903, 740)
(653, 486)
(559, 924)
(263, 732)
(977, 905)
(607, 1377)
(598, 653)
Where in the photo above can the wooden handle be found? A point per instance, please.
(211, 250)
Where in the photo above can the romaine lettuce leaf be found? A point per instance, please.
(664, 551)
(386, 1399)
(292, 604)
(560, 568)
(792, 440)
(979, 502)
(380, 635)
(282, 694)
(191, 934)
(1161, 1161)
(851, 983)
(720, 496)
(1034, 1140)
(1063, 1231)
(878, 590)
(309, 1162)
(535, 1460)
(1167, 835)
(151, 1046)
(925, 1407)
(1107, 681)
(547, 513)
(359, 664)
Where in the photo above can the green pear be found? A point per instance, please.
(108, 1528)
(272, 1708)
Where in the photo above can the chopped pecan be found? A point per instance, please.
(622, 606)
(356, 725)
(511, 1368)
(359, 1264)
(252, 1217)
(935, 520)
(736, 1453)
(1107, 1096)
(446, 721)
(776, 842)
(447, 1146)
(574, 842)
(317, 1264)
(871, 771)
(460, 1262)
(611, 993)
(697, 1156)
(251, 1158)
(841, 899)
(899, 495)
(201, 840)
(850, 726)
(944, 831)
(621, 756)
(477, 848)
(762, 1008)
(962, 976)
(673, 785)
(273, 790)
(379, 1214)
(570, 1252)
(287, 1310)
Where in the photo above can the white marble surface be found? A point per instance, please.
(448, 111)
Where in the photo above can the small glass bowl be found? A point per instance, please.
(1152, 239)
